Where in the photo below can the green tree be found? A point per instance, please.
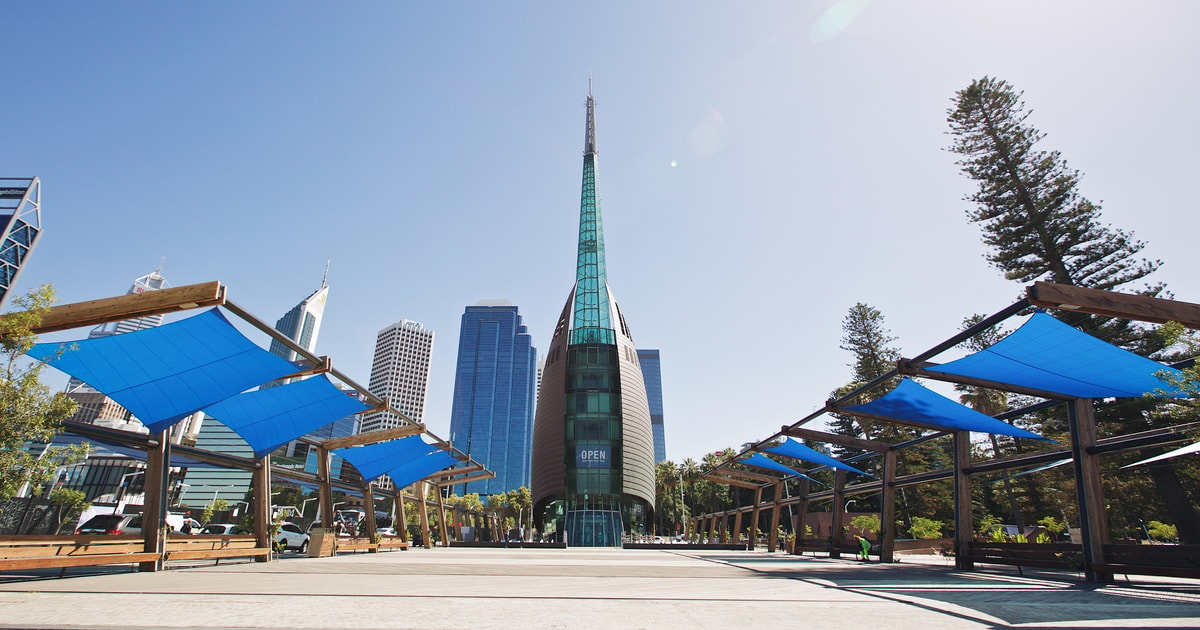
(926, 528)
(1038, 226)
(68, 504)
(29, 412)
(865, 336)
(1033, 218)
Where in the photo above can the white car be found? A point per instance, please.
(292, 537)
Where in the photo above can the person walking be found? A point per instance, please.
(864, 548)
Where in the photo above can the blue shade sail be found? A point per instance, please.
(1051, 356)
(758, 460)
(374, 460)
(796, 450)
(419, 469)
(166, 373)
(268, 418)
(913, 403)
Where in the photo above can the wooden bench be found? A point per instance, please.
(21, 553)
(356, 544)
(1045, 556)
(205, 547)
(1163, 560)
(391, 543)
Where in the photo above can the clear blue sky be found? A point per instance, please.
(763, 166)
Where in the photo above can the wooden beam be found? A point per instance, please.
(745, 474)
(887, 509)
(907, 367)
(904, 421)
(729, 482)
(122, 307)
(445, 474)
(1122, 305)
(477, 476)
(840, 440)
(371, 437)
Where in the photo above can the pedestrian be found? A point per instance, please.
(864, 548)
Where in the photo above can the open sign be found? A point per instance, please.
(593, 456)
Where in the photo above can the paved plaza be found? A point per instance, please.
(589, 588)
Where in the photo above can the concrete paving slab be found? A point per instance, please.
(590, 588)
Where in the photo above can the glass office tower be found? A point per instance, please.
(20, 227)
(593, 449)
(652, 375)
(494, 387)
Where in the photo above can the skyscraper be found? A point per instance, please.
(302, 324)
(494, 387)
(593, 449)
(20, 227)
(400, 373)
(652, 376)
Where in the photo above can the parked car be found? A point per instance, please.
(390, 532)
(111, 524)
(292, 537)
(222, 529)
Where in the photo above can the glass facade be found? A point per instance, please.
(20, 227)
(652, 376)
(495, 384)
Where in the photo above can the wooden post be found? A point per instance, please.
(887, 508)
(773, 537)
(802, 517)
(964, 529)
(261, 480)
(1093, 523)
(754, 520)
(154, 506)
(836, 533)
(442, 517)
(326, 494)
(402, 522)
(737, 526)
(423, 492)
(369, 500)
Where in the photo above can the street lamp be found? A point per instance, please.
(304, 504)
(847, 507)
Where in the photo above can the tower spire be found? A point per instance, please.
(593, 321)
(325, 278)
(589, 135)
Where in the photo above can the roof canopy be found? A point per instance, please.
(166, 373)
(911, 403)
(268, 418)
(797, 450)
(375, 460)
(421, 468)
(1048, 355)
(758, 460)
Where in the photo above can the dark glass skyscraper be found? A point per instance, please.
(652, 376)
(593, 449)
(494, 387)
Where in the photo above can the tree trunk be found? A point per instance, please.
(1178, 503)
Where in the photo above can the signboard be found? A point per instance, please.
(593, 456)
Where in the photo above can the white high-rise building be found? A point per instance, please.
(400, 373)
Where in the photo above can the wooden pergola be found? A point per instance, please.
(1100, 558)
(158, 447)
